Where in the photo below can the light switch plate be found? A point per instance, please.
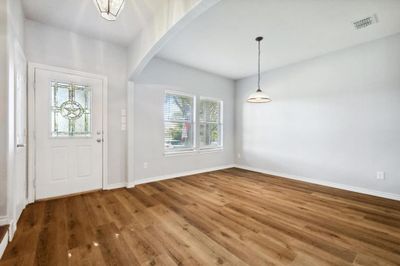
(380, 175)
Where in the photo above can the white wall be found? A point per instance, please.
(3, 108)
(56, 47)
(166, 14)
(168, 18)
(16, 20)
(334, 118)
(148, 118)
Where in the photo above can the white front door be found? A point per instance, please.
(69, 133)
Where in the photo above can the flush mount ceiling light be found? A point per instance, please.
(109, 9)
(259, 96)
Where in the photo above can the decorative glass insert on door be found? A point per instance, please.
(70, 110)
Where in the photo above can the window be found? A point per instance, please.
(70, 110)
(210, 123)
(178, 122)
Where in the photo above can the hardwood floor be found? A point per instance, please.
(231, 217)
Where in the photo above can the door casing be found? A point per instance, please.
(32, 67)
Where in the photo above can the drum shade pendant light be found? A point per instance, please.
(110, 9)
(259, 96)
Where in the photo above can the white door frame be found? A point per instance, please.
(32, 67)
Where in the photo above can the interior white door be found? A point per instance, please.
(69, 133)
(21, 104)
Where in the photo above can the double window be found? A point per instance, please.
(181, 127)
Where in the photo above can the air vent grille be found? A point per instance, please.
(365, 22)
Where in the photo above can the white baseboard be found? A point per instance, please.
(14, 222)
(130, 184)
(186, 173)
(325, 183)
(12, 229)
(3, 244)
(114, 186)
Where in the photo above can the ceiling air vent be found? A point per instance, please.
(365, 22)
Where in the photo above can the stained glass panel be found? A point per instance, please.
(70, 110)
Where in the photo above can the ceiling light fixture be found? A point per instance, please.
(109, 9)
(259, 96)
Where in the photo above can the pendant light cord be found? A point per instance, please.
(259, 64)
(259, 96)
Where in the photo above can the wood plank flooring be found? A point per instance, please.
(230, 217)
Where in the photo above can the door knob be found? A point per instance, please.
(98, 140)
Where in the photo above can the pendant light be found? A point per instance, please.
(109, 9)
(259, 96)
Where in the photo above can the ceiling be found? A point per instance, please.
(82, 17)
(221, 41)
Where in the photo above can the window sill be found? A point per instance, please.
(211, 150)
(193, 152)
(178, 153)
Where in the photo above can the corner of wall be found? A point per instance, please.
(235, 122)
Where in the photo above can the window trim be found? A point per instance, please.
(210, 148)
(194, 123)
(196, 149)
